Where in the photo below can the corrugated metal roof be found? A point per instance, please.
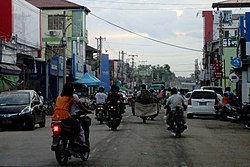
(232, 4)
(56, 4)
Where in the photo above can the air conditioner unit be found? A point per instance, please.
(52, 33)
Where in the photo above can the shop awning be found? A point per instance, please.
(9, 69)
(88, 80)
(8, 82)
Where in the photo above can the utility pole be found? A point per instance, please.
(144, 72)
(122, 64)
(221, 44)
(64, 45)
(99, 53)
(133, 65)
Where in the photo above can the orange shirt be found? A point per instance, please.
(225, 100)
(62, 107)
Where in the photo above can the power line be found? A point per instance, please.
(153, 3)
(157, 9)
(155, 40)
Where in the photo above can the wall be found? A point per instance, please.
(26, 23)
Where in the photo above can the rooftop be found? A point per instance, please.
(232, 4)
(56, 4)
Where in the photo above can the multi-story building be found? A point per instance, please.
(220, 46)
(20, 45)
(64, 40)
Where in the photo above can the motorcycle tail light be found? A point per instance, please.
(56, 128)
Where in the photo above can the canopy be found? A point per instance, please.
(88, 80)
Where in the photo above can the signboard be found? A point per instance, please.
(236, 62)
(218, 74)
(104, 70)
(234, 78)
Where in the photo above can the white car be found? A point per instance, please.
(202, 102)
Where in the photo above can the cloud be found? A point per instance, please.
(178, 12)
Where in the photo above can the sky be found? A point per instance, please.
(157, 31)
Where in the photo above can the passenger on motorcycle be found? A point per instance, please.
(101, 98)
(144, 96)
(65, 111)
(174, 101)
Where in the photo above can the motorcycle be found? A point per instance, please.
(100, 116)
(114, 116)
(228, 112)
(92, 105)
(178, 122)
(63, 143)
(145, 111)
(246, 115)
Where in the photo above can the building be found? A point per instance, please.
(20, 45)
(220, 46)
(64, 39)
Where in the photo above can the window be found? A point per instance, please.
(203, 95)
(55, 22)
(226, 34)
(52, 50)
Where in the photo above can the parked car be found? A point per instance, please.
(202, 102)
(21, 108)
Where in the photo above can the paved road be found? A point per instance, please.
(207, 142)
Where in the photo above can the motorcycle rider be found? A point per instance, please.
(113, 97)
(143, 96)
(101, 98)
(174, 101)
(65, 111)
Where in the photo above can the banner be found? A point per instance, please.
(104, 72)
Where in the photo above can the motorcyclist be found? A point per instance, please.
(65, 111)
(229, 97)
(143, 96)
(101, 98)
(174, 101)
(113, 97)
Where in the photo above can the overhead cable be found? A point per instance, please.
(155, 40)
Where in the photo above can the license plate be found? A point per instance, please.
(7, 121)
(203, 103)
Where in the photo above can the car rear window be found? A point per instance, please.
(203, 95)
(217, 90)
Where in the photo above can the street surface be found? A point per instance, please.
(207, 142)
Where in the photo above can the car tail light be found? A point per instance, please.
(216, 102)
(189, 101)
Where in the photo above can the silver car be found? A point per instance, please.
(202, 102)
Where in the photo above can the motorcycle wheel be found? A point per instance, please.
(247, 124)
(85, 156)
(92, 107)
(178, 131)
(61, 158)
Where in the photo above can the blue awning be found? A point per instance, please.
(89, 80)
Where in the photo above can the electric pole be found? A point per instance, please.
(219, 58)
(64, 44)
(121, 63)
(99, 53)
(133, 65)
